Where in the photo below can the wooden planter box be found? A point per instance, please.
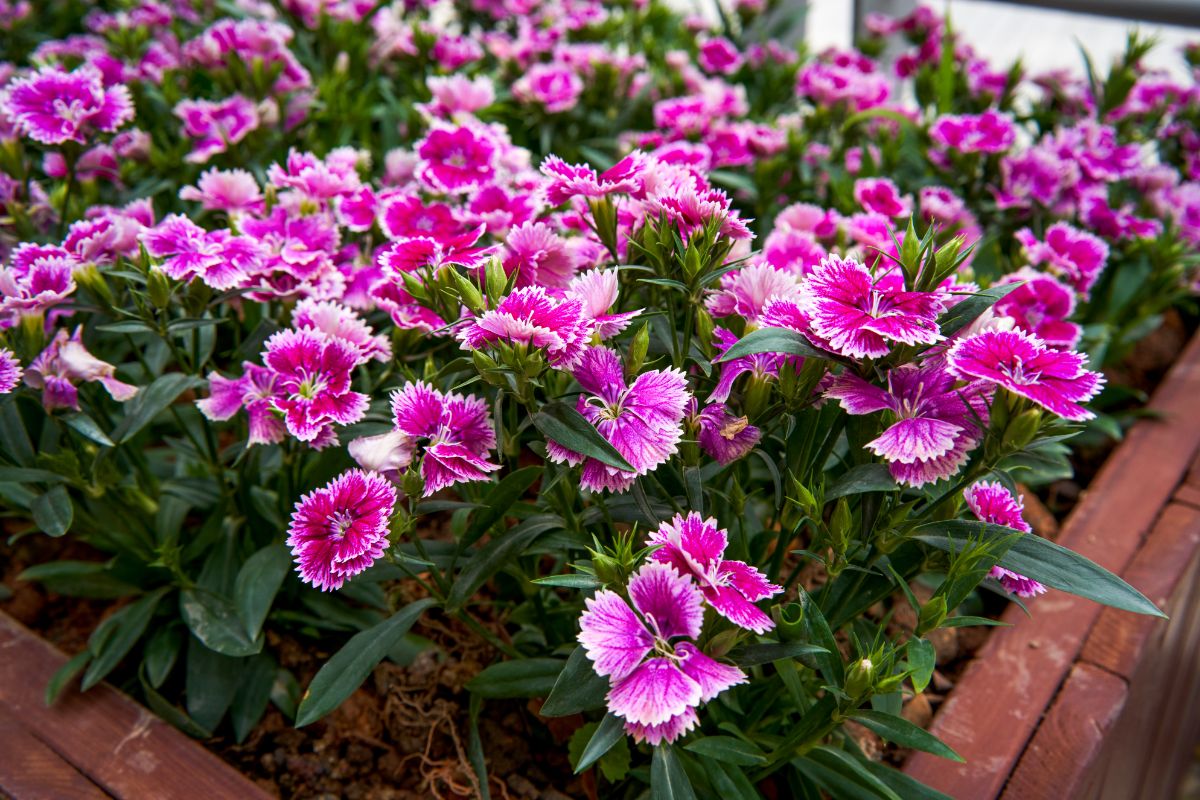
(1080, 701)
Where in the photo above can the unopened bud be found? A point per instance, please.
(932, 615)
(158, 286)
(637, 350)
(861, 678)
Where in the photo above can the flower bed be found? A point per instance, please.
(655, 443)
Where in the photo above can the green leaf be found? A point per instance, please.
(86, 426)
(78, 579)
(498, 501)
(252, 695)
(258, 581)
(475, 748)
(492, 556)
(1046, 562)
(211, 681)
(53, 511)
(523, 677)
(578, 688)
(668, 781)
(903, 785)
(561, 422)
(771, 340)
(614, 764)
(830, 662)
(184, 325)
(150, 401)
(351, 665)
(63, 675)
(861, 479)
(29, 475)
(215, 621)
(572, 581)
(752, 655)
(127, 326)
(921, 661)
(968, 309)
(161, 653)
(728, 749)
(904, 733)
(117, 635)
(968, 621)
(172, 714)
(849, 768)
(610, 731)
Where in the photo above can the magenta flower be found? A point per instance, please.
(719, 56)
(989, 132)
(555, 87)
(65, 363)
(312, 386)
(696, 547)
(418, 253)
(1076, 255)
(254, 391)
(456, 159)
(858, 314)
(936, 425)
(231, 191)
(690, 205)
(542, 257)
(336, 321)
(52, 107)
(723, 435)
(645, 648)
(992, 503)
(745, 292)
(38, 278)
(793, 251)
(10, 371)
(580, 180)
(1024, 365)
(216, 126)
(760, 366)
(458, 94)
(642, 420)
(1042, 306)
(406, 215)
(532, 317)
(218, 258)
(341, 529)
(880, 196)
(458, 429)
(319, 179)
(596, 289)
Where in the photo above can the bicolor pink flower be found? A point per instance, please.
(53, 107)
(1023, 364)
(596, 289)
(1041, 305)
(541, 256)
(792, 251)
(532, 317)
(556, 87)
(65, 363)
(406, 215)
(1116, 222)
(936, 427)
(216, 125)
(420, 253)
(645, 647)
(218, 258)
(1076, 255)
(230, 190)
(337, 321)
(880, 196)
(315, 178)
(37, 278)
(723, 435)
(254, 391)
(457, 159)
(642, 420)
(580, 180)
(821, 223)
(341, 529)
(499, 210)
(696, 547)
(314, 373)
(458, 431)
(10, 371)
(989, 132)
(858, 314)
(691, 206)
(993, 503)
(745, 292)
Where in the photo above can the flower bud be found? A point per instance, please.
(158, 286)
(412, 483)
(495, 279)
(1022, 429)
(932, 615)
(860, 679)
(467, 292)
(637, 351)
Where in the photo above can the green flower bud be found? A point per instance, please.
(860, 679)
(158, 286)
(467, 292)
(412, 483)
(932, 615)
(638, 348)
(1022, 429)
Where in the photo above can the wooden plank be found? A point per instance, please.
(996, 706)
(30, 770)
(118, 744)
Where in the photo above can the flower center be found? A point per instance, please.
(340, 522)
(1016, 373)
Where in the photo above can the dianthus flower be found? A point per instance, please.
(642, 420)
(745, 292)
(10, 370)
(532, 317)
(456, 159)
(458, 431)
(761, 366)
(216, 125)
(313, 376)
(320, 179)
(341, 529)
(719, 56)
(1076, 255)
(1023, 364)
(580, 180)
(989, 132)
(542, 257)
(63, 364)
(254, 392)
(228, 190)
(723, 435)
(53, 107)
(555, 87)
(992, 503)
(218, 258)
(1042, 306)
(38, 278)
(596, 289)
(338, 322)
(646, 649)
(880, 196)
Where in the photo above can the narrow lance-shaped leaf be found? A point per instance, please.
(904, 733)
(771, 340)
(968, 309)
(562, 423)
(578, 688)
(523, 677)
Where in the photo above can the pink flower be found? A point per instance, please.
(746, 291)
(254, 391)
(692, 206)
(719, 56)
(580, 180)
(219, 259)
(555, 87)
(405, 215)
(38, 278)
(458, 429)
(10, 371)
(596, 289)
(216, 126)
(1042, 306)
(319, 179)
(761, 366)
(642, 420)
(858, 314)
(231, 191)
(389, 453)
(696, 547)
(855, 84)
(989, 132)
(808, 218)
(880, 196)
(792, 251)
(542, 257)
(341, 529)
(313, 376)
(456, 160)
(1024, 365)
(63, 364)
(935, 427)
(992, 503)
(724, 436)
(657, 682)
(338, 322)
(532, 317)
(1078, 256)
(458, 94)
(52, 107)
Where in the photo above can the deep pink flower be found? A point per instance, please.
(992, 503)
(555, 87)
(250, 40)
(1116, 223)
(52, 107)
(692, 206)
(822, 223)
(218, 258)
(419, 253)
(1076, 255)
(498, 210)
(696, 547)
(746, 291)
(10, 371)
(1037, 175)
(531, 316)
(542, 257)
(719, 56)
(596, 289)
(254, 391)
(723, 435)
(936, 424)
(1042, 306)
(880, 196)
(97, 163)
(320, 179)
(341, 529)
(59, 368)
(580, 180)
(314, 373)
(642, 420)
(406, 215)
(1025, 366)
(38, 278)
(338, 322)
(858, 314)
(296, 254)
(989, 132)
(657, 682)
(456, 160)
(857, 85)
(231, 191)
(793, 251)
(216, 126)
(458, 431)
